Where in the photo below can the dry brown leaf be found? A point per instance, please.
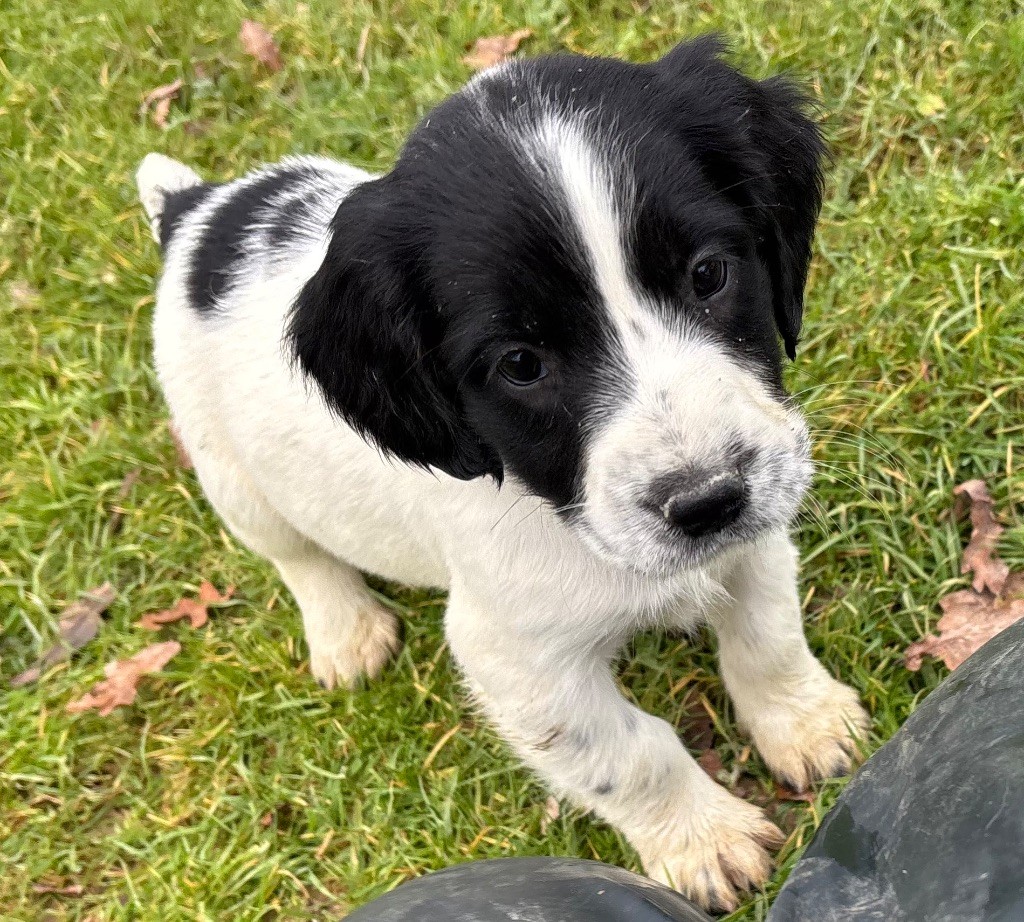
(698, 731)
(550, 814)
(969, 620)
(122, 678)
(980, 554)
(259, 44)
(79, 623)
(486, 52)
(711, 762)
(159, 101)
(972, 617)
(194, 610)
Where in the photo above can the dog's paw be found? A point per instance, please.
(362, 649)
(719, 849)
(810, 735)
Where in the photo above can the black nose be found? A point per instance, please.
(702, 506)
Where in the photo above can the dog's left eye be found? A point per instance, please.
(709, 277)
(522, 367)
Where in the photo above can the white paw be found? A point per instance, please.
(713, 852)
(811, 733)
(361, 648)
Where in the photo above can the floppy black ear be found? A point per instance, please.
(762, 151)
(793, 152)
(365, 332)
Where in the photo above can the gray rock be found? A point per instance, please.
(530, 890)
(931, 829)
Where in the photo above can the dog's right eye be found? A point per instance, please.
(709, 277)
(522, 367)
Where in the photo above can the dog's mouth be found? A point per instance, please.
(664, 560)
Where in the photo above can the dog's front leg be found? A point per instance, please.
(553, 696)
(802, 720)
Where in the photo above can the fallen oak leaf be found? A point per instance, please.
(159, 100)
(979, 556)
(183, 608)
(970, 619)
(258, 43)
(122, 678)
(195, 610)
(79, 623)
(491, 50)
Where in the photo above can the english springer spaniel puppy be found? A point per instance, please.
(537, 364)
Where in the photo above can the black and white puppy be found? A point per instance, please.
(537, 364)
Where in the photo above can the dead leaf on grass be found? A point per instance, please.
(711, 762)
(193, 609)
(258, 43)
(980, 554)
(493, 49)
(122, 678)
(972, 617)
(79, 623)
(969, 620)
(158, 102)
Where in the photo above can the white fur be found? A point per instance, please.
(537, 610)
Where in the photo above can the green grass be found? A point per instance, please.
(234, 788)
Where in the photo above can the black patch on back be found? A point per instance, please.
(177, 205)
(290, 221)
(222, 242)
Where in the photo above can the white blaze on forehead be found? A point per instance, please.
(598, 201)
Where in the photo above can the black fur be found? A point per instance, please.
(177, 205)
(464, 251)
(227, 231)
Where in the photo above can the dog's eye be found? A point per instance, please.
(709, 277)
(521, 367)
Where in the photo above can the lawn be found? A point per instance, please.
(234, 787)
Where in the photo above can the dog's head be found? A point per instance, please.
(578, 275)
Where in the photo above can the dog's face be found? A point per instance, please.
(578, 274)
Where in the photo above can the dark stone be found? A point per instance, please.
(931, 829)
(537, 889)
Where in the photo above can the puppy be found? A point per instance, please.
(537, 364)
